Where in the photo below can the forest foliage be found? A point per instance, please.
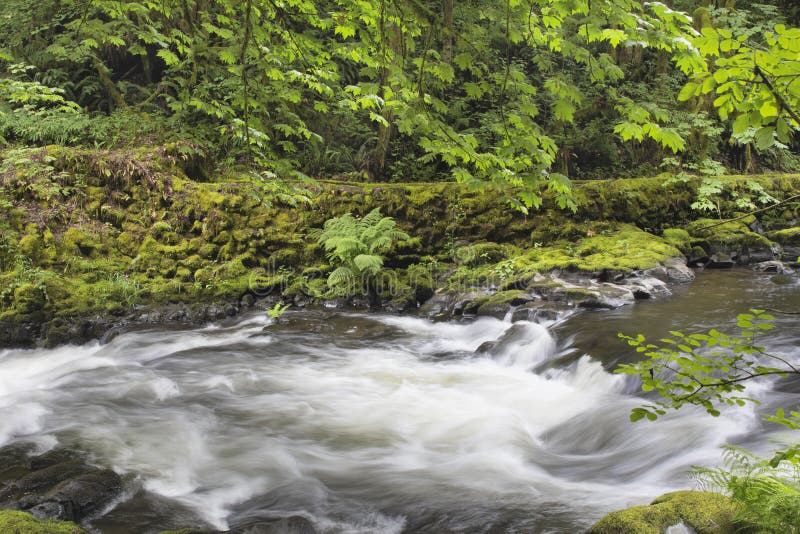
(523, 96)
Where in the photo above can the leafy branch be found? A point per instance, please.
(710, 369)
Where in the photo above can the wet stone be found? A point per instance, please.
(58, 484)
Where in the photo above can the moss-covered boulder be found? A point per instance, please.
(15, 522)
(789, 239)
(705, 512)
(732, 242)
(498, 304)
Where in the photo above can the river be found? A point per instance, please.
(371, 423)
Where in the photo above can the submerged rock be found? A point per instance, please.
(287, 525)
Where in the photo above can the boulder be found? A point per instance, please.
(59, 484)
(704, 512)
(772, 267)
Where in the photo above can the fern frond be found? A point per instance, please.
(341, 276)
(355, 244)
(368, 263)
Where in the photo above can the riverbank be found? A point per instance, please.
(94, 241)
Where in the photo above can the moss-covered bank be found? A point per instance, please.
(86, 233)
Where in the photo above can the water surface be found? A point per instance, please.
(386, 424)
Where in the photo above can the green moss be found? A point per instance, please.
(498, 303)
(15, 522)
(787, 236)
(134, 239)
(578, 294)
(126, 244)
(77, 241)
(705, 512)
(730, 234)
(208, 251)
(481, 253)
(112, 215)
(626, 249)
(678, 238)
(32, 246)
(30, 298)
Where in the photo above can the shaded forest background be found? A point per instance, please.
(396, 91)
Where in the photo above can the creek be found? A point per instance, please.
(371, 423)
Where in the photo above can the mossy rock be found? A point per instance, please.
(624, 248)
(726, 235)
(787, 236)
(30, 298)
(480, 254)
(706, 512)
(80, 242)
(33, 246)
(16, 522)
(497, 305)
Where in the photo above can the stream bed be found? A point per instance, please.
(371, 423)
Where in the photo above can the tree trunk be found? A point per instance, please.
(114, 94)
(447, 40)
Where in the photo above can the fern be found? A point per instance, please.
(769, 496)
(356, 247)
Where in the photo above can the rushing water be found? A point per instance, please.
(384, 424)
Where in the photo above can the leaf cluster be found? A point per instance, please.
(356, 246)
(705, 369)
(769, 498)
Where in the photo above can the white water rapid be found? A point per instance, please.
(361, 423)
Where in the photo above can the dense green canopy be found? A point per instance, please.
(517, 95)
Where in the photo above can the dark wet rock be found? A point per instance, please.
(14, 461)
(463, 304)
(86, 494)
(485, 347)
(538, 311)
(151, 513)
(772, 267)
(596, 303)
(50, 458)
(721, 260)
(609, 276)
(758, 253)
(19, 334)
(756, 227)
(498, 304)
(59, 484)
(697, 257)
(286, 525)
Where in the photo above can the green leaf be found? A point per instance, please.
(564, 111)
(629, 130)
(688, 91)
(463, 60)
(168, 57)
(765, 138)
